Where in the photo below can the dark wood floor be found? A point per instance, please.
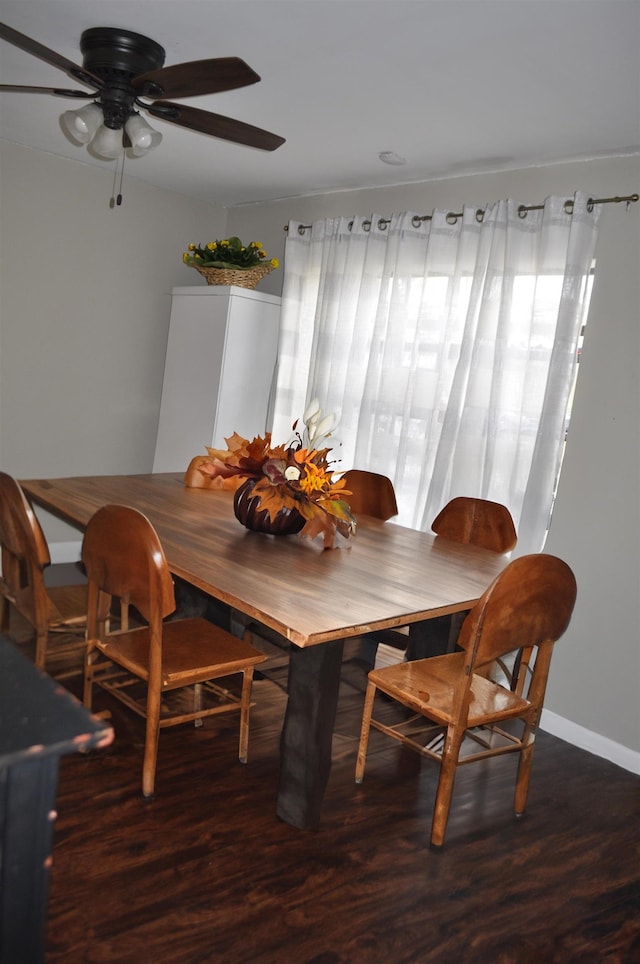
(206, 872)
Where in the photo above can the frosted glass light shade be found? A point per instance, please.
(107, 142)
(82, 124)
(142, 136)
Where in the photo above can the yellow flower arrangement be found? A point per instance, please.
(228, 253)
(297, 476)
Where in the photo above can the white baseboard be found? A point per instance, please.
(65, 551)
(594, 743)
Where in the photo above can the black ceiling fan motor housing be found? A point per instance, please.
(117, 57)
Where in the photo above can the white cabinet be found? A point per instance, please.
(219, 371)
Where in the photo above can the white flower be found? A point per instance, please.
(316, 425)
(291, 473)
(325, 425)
(313, 408)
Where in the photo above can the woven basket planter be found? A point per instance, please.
(240, 277)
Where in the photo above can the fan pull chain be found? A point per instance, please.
(117, 200)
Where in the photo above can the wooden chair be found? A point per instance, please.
(163, 671)
(372, 494)
(25, 556)
(467, 520)
(529, 605)
(471, 521)
(477, 522)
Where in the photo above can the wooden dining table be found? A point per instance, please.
(386, 576)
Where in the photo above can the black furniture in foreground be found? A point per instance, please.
(39, 722)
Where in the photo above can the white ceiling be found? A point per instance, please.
(453, 86)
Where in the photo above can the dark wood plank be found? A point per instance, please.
(207, 873)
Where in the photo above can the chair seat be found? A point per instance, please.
(68, 606)
(429, 686)
(211, 653)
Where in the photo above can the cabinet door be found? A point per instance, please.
(219, 371)
(248, 371)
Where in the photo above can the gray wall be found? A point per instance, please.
(84, 311)
(85, 298)
(593, 696)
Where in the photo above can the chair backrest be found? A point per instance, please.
(124, 558)
(372, 494)
(25, 553)
(20, 531)
(528, 605)
(478, 522)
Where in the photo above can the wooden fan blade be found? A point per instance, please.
(57, 91)
(216, 125)
(196, 78)
(49, 56)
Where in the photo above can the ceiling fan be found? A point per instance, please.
(125, 70)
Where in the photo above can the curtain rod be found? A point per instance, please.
(452, 217)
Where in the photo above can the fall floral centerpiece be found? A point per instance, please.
(286, 488)
(230, 262)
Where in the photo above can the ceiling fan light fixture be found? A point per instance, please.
(121, 66)
(142, 136)
(107, 142)
(82, 124)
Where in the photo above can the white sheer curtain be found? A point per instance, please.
(446, 347)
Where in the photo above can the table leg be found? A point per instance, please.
(305, 745)
(431, 637)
